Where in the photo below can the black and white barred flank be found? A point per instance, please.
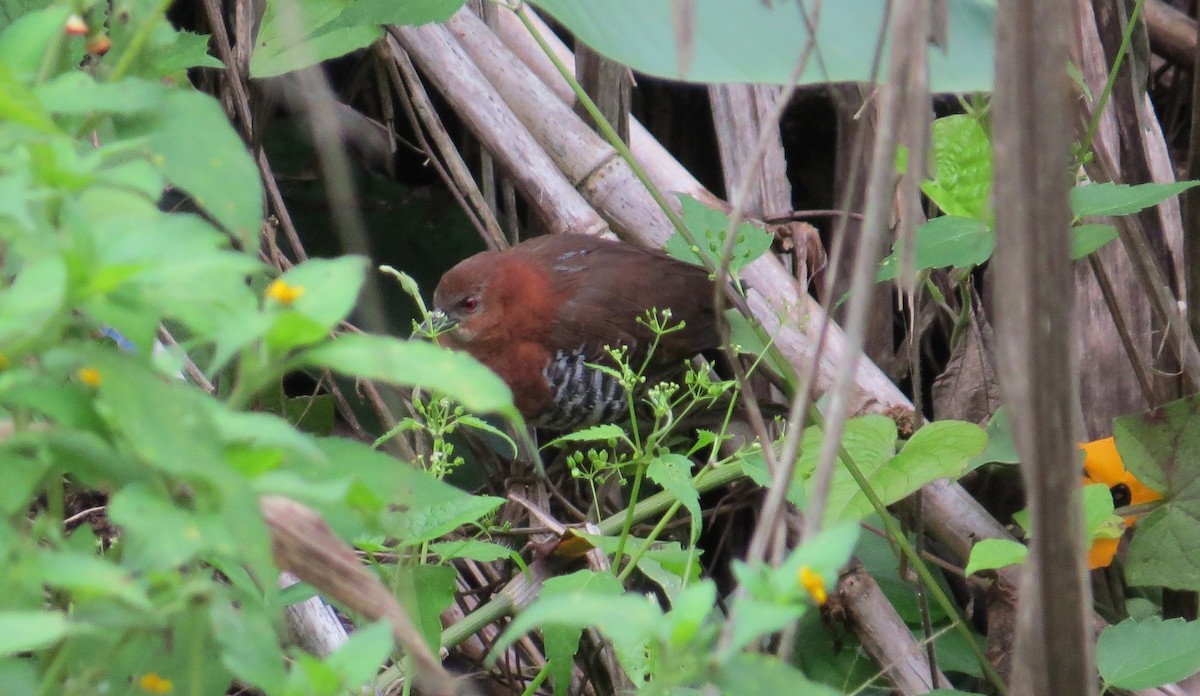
(583, 395)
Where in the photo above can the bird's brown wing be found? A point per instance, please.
(607, 286)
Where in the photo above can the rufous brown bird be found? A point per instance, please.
(538, 313)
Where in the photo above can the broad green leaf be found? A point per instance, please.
(626, 619)
(249, 645)
(22, 474)
(948, 240)
(1109, 199)
(708, 227)
(1148, 653)
(869, 440)
(79, 93)
(31, 308)
(162, 418)
(1161, 447)
(410, 12)
(157, 535)
(25, 43)
(941, 449)
(296, 35)
(415, 364)
(199, 152)
(752, 41)
(562, 641)
(990, 554)
(19, 105)
(182, 51)
(87, 576)
(691, 609)
(432, 521)
(1089, 238)
(327, 291)
(754, 618)
(755, 674)
(358, 660)
(21, 631)
(1000, 448)
(962, 169)
(425, 591)
(674, 473)
(382, 491)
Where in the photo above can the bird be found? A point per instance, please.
(543, 313)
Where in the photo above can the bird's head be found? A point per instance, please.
(490, 297)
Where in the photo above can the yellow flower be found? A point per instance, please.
(811, 581)
(3, 361)
(155, 684)
(89, 376)
(283, 293)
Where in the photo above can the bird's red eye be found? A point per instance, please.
(470, 304)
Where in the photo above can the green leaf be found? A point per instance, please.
(674, 473)
(160, 536)
(184, 50)
(432, 521)
(754, 674)
(562, 641)
(949, 240)
(1089, 237)
(196, 147)
(962, 168)
(19, 105)
(89, 576)
(31, 307)
(1110, 199)
(416, 364)
(755, 618)
(471, 549)
(79, 93)
(425, 591)
(869, 440)
(626, 619)
(358, 660)
(24, 44)
(410, 13)
(296, 35)
(752, 41)
(941, 449)
(1148, 653)
(708, 227)
(1161, 448)
(596, 433)
(249, 645)
(1001, 449)
(989, 554)
(328, 290)
(21, 631)
(743, 336)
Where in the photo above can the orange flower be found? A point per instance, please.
(283, 293)
(89, 376)
(811, 581)
(155, 684)
(1102, 464)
